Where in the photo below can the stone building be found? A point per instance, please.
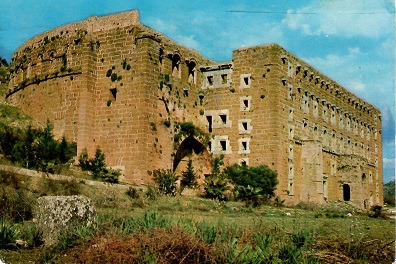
(115, 83)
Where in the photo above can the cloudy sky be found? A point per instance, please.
(351, 41)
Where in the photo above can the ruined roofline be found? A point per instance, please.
(91, 24)
(288, 55)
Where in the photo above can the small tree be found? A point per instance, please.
(216, 185)
(98, 163)
(189, 176)
(166, 181)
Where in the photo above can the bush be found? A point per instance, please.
(97, 166)
(165, 180)
(216, 187)
(252, 183)
(35, 148)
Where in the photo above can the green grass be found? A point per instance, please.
(229, 232)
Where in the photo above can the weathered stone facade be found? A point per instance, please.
(114, 83)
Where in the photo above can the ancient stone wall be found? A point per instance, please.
(114, 83)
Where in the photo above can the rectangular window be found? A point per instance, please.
(332, 117)
(217, 119)
(221, 145)
(223, 118)
(291, 153)
(244, 147)
(245, 103)
(290, 92)
(210, 80)
(224, 78)
(289, 69)
(290, 184)
(291, 132)
(291, 110)
(244, 126)
(245, 81)
(315, 109)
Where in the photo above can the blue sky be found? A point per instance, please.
(351, 41)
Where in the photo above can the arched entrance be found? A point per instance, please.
(192, 149)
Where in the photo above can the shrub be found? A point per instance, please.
(133, 193)
(256, 177)
(165, 180)
(113, 77)
(97, 166)
(216, 187)
(36, 148)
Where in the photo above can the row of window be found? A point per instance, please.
(329, 112)
(222, 78)
(340, 144)
(323, 84)
(221, 145)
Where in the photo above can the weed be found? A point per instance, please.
(207, 231)
(133, 193)
(15, 204)
(32, 234)
(8, 234)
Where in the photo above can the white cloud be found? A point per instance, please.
(356, 85)
(346, 18)
(189, 42)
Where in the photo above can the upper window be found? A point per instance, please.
(244, 126)
(245, 81)
(245, 103)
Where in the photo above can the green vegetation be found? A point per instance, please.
(132, 227)
(252, 184)
(189, 178)
(35, 148)
(389, 193)
(97, 166)
(165, 180)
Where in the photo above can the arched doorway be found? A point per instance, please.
(192, 149)
(346, 192)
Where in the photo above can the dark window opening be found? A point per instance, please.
(363, 178)
(223, 144)
(223, 119)
(209, 118)
(246, 103)
(176, 66)
(191, 72)
(346, 190)
(246, 80)
(161, 56)
(245, 125)
(224, 78)
(244, 145)
(185, 92)
(210, 145)
(243, 163)
(210, 80)
(114, 93)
